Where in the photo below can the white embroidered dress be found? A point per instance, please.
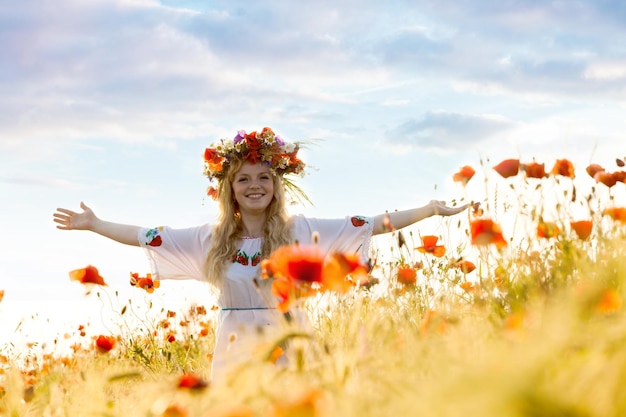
(247, 315)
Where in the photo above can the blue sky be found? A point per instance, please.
(113, 101)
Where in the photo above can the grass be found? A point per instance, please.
(537, 329)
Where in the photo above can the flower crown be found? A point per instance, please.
(255, 147)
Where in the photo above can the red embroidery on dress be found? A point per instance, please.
(357, 221)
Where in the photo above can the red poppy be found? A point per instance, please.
(337, 267)
(617, 213)
(212, 192)
(547, 230)
(192, 381)
(468, 287)
(564, 168)
(299, 263)
(610, 301)
(300, 271)
(593, 169)
(105, 343)
(507, 168)
(286, 293)
(87, 275)
(212, 156)
(406, 275)
(429, 245)
(145, 283)
(477, 211)
(311, 402)
(464, 175)
(534, 170)
(387, 225)
(465, 266)
(607, 178)
(485, 232)
(582, 228)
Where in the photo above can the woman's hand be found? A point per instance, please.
(87, 220)
(70, 220)
(439, 208)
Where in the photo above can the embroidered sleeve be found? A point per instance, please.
(351, 234)
(176, 253)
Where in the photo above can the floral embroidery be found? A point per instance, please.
(243, 258)
(358, 221)
(153, 237)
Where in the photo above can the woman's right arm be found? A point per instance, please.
(87, 220)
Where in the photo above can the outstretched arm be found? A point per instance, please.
(87, 220)
(400, 219)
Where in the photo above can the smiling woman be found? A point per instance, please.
(252, 190)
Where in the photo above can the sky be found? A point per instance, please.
(112, 102)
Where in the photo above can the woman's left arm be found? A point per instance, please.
(400, 219)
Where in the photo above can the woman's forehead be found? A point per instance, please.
(252, 169)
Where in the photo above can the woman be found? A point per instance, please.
(251, 171)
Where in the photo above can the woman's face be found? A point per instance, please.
(253, 187)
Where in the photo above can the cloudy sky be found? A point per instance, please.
(112, 102)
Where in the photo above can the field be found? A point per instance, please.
(515, 309)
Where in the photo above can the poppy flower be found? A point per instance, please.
(582, 228)
(617, 213)
(105, 343)
(507, 168)
(465, 266)
(406, 275)
(610, 301)
(468, 286)
(298, 263)
(192, 381)
(547, 230)
(607, 178)
(211, 155)
(230, 410)
(477, 211)
(300, 271)
(534, 170)
(145, 283)
(337, 267)
(593, 169)
(287, 294)
(212, 192)
(564, 168)
(174, 410)
(464, 175)
(485, 232)
(311, 402)
(429, 245)
(387, 225)
(1, 295)
(87, 275)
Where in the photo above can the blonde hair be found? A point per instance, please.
(227, 233)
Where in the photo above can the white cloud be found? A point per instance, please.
(606, 71)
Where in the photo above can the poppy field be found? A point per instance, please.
(514, 308)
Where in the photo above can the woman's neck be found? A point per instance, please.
(253, 226)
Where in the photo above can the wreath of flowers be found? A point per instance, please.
(255, 147)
